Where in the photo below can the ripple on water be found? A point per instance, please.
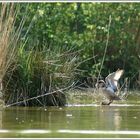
(100, 132)
(43, 131)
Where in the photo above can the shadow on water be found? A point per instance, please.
(90, 121)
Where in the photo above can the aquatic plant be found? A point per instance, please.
(41, 77)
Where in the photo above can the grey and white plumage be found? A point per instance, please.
(109, 87)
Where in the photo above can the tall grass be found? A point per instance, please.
(28, 74)
(41, 72)
(9, 37)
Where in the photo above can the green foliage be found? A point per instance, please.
(66, 41)
(84, 26)
(40, 72)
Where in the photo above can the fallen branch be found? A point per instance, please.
(42, 95)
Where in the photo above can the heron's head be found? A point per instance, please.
(100, 84)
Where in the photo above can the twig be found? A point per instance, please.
(85, 60)
(105, 48)
(29, 99)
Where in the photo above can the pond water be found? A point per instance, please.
(119, 120)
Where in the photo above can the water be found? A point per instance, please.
(120, 120)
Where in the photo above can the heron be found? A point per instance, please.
(109, 87)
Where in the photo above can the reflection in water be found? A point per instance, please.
(117, 120)
(110, 117)
(93, 121)
(4, 131)
(37, 131)
(99, 132)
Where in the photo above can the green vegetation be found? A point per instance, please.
(56, 44)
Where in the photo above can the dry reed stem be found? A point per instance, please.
(6, 24)
(107, 41)
(9, 38)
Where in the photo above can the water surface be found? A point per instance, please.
(120, 120)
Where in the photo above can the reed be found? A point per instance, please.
(29, 74)
(9, 37)
(8, 40)
(40, 73)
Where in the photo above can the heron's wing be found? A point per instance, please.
(118, 74)
(110, 94)
(112, 79)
